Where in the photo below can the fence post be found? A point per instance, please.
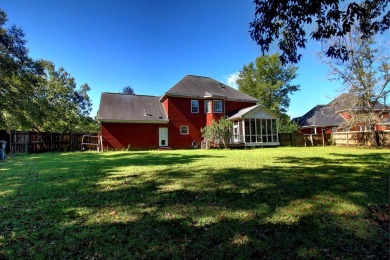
(30, 143)
(71, 142)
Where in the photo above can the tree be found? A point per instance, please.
(66, 107)
(365, 77)
(33, 94)
(218, 131)
(289, 20)
(269, 82)
(128, 90)
(286, 125)
(20, 75)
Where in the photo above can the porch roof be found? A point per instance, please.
(256, 111)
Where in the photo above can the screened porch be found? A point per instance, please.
(255, 126)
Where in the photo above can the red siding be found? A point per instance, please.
(328, 130)
(139, 136)
(180, 114)
(235, 106)
(145, 136)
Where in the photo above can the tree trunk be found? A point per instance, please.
(374, 137)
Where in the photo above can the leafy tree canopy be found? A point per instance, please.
(33, 94)
(128, 90)
(289, 21)
(365, 77)
(269, 81)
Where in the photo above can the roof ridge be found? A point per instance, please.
(113, 93)
(191, 75)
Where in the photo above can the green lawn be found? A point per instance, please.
(310, 202)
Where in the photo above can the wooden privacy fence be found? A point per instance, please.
(37, 142)
(288, 139)
(360, 138)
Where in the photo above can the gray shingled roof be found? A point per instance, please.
(201, 87)
(320, 115)
(328, 115)
(131, 108)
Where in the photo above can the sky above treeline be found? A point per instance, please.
(151, 45)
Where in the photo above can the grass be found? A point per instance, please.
(311, 202)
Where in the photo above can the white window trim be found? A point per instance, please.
(207, 104)
(184, 127)
(217, 101)
(197, 102)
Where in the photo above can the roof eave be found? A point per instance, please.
(166, 95)
(134, 121)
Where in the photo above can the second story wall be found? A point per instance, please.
(194, 114)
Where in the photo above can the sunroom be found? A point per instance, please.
(255, 126)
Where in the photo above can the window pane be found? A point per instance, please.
(194, 106)
(217, 106)
(184, 129)
(207, 106)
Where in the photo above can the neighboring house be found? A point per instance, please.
(331, 118)
(175, 119)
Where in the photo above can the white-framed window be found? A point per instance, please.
(217, 105)
(184, 130)
(207, 107)
(194, 106)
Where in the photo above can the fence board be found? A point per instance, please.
(288, 139)
(360, 138)
(38, 142)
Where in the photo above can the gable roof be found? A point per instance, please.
(320, 115)
(328, 115)
(205, 87)
(243, 112)
(349, 102)
(131, 108)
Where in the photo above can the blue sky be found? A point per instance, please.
(151, 45)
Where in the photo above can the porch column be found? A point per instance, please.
(243, 130)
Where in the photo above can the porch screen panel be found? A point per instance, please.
(274, 131)
(258, 128)
(253, 130)
(264, 130)
(269, 130)
(247, 131)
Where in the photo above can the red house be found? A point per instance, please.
(331, 118)
(175, 119)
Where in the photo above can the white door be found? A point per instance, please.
(163, 136)
(236, 133)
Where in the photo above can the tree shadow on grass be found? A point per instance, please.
(298, 208)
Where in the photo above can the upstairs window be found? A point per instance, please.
(207, 107)
(194, 106)
(217, 106)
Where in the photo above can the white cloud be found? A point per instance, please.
(231, 80)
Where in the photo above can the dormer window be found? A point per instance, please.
(194, 106)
